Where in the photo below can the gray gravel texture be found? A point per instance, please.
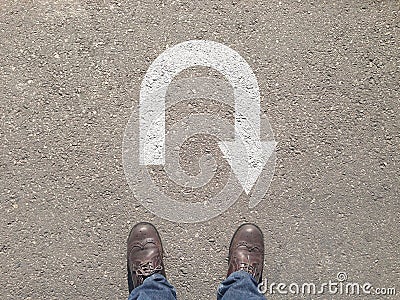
(70, 73)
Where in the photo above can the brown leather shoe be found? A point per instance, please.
(144, 254)
(246, 252)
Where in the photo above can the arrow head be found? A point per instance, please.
(247, 160)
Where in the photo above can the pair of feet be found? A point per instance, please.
(145, 253)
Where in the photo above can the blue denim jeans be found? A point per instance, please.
(238, 286)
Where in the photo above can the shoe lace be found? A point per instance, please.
(147, 269)
(248, 268)
(246, 265)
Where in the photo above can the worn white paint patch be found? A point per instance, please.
(63, 9)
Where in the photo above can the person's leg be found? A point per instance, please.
(154, 287)
(146, 273)
(246, 260)
(238, 286)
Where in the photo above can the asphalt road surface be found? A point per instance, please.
(70, 74)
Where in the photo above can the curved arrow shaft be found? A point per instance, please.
(182, 56)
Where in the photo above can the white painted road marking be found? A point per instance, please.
(247, 154)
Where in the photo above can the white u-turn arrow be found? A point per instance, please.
(247, 154)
